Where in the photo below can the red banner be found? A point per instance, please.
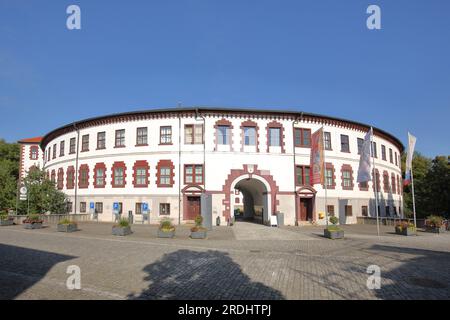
(317, 170)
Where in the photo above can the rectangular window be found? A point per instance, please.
(330, 210)
(85, 143)
(391, 160)
(348, 211)
(345, 146)
(374, 150)
(383, 152)
(101, 140)
(223, 135)
(249, 136)
(141, 136)
(100, 177)
(141, 176)
(118, 177)
(99, 207)
(360, 145)
(70, 178)
(138, 208)
(120, 138)
(329, 177)
(396, 159)
(364, 211)
(346, 174)
(303, 175)
(302, 137)
(71, 146)
(395, 211)
(61, 149)
(164, 209)
(34, 153)
(193, 174)
(84, 177)
(54, 151)
(82, 207)
(274, 137)
(363, 185)
(164, 176)
(165, 135)
(388, 211)
(69, 207)
(327, 140)
(193, 134)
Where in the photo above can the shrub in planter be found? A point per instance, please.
(122, 228)
(5, 220)
(166, 229)
(66, 225)
(333, 231)
(405, 228)
(434, 224)
(33, 221)
(198, 232)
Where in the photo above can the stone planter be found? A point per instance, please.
(440, 229)
(35, 225)
(335, 234)
(6, 222)
(166, 234)
(405, 231)
(121, 231)
(201, 234)
(67, 227)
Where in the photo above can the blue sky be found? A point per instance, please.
(314, 56)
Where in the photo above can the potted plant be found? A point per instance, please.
(333, 231)
(122, 228)
(166, 229)
(434, 224)
(405, 228)
(33, 221)
(66, 225)
(5, 220)
(198, 232)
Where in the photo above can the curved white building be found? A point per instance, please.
(252, 163)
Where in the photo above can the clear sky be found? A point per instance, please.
(315, 56)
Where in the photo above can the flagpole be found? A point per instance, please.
(374, 180)
(324, 176)
(413, 200)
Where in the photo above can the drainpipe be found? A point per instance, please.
(76, 168)
(296, 121)
(179, 168)
(198, 116)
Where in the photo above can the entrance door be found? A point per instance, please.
(193, 208)
(305, 209)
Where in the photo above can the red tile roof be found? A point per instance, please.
(31, 140)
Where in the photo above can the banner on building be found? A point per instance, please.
(365, 166)
(409, 157)
(317, 171)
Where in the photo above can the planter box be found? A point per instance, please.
(67, 227)
(405, 232)
(198, 234)
(121, 231)
(166, 234)
(33, 225)
(6, 222)
(339, 234)
(436, 229)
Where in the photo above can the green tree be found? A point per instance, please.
(439, 179)
(9, 173)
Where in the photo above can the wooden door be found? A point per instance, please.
(193, 207)
(303, 210)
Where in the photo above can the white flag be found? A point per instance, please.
(410, 154)
(365, 166)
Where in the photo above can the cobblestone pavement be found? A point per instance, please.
(285, 263)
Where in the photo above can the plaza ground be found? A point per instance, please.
(245, 261)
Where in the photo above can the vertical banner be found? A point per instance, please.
(365, 167)
(409, 157)
(317, 171)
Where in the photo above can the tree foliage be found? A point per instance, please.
(9, 173)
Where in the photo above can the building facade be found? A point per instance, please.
(252, 163)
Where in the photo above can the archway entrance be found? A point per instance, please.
(251, 200)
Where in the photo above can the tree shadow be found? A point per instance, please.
(21, 268)
(193, 275)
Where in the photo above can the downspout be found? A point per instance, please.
(296, 121)
(179, 168)
(197, 117)
(75, 179)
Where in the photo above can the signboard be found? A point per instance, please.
(273, 221)
(116, 208)
(23, 193)
(91, 207)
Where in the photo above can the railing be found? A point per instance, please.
(54, 218)
(388, 221)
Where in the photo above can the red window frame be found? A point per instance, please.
(300, 132)
(194, 175)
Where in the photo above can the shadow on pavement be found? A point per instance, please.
(186, 274)
(21, 268)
